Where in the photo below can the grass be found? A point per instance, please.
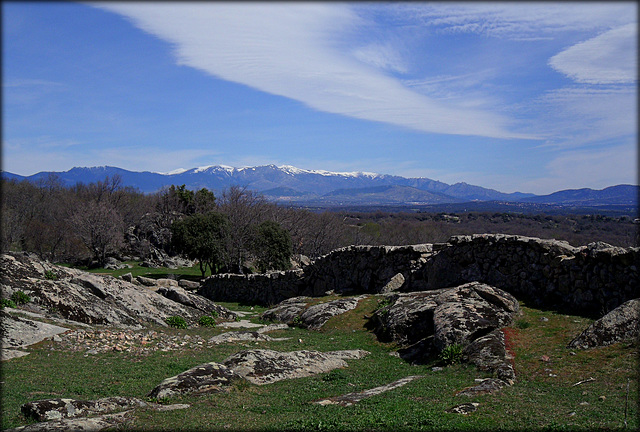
(191, 273)
(544, 396)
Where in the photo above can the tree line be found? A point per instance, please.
(88, 223)
(239, 230)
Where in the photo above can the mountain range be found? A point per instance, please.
(324, 188)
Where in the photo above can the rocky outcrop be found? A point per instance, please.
(268, 366)
(55, 409)
(453, 316)
(295, 311)
(93, 424)
(62, 415)
(287, 311)
(621, 324)
(88, 298)
(470, 316)
(18, 332)
(256, 366)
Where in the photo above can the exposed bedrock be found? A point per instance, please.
(88, 298)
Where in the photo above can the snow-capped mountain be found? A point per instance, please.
(290, 184)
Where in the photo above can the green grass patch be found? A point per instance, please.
(544, 396)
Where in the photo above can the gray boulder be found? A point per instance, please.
(205, 378)
(287, 310)
(621, 324)
(452, 315)
(148, 282)
(317, 315)
(188, 284)
(469, 315)
(268, 366)
(489, 353)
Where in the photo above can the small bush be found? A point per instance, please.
(176, 322)
(20, 297)
(207, 321)
(335, 375)
(297, 321)
(215, 314)
(523, 324)
(50, 275)
(451, 354)
(5, 302)
(383, 303)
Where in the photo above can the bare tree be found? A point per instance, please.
(100, 227)
(244, 209)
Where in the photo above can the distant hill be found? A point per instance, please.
(618, 195)
(317, 187)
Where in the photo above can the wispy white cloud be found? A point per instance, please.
(518, 20)
(610, 58)
(574, 117)
(298, 51)
(381, 56)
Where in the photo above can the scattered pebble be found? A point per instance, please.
(142, 342)
(545, 358)
(602, 398)
(584, 403)
(544, 319)
(436, 368)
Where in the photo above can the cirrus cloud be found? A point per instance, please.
(298, 51)
(604, 59)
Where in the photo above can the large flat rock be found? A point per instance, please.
(268, 366)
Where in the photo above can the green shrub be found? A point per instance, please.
(335, 375)
(50, 275)
(215, 314)
(207, 321)
(523, 324)
(297, 321)
(5, 302)
(20, 297)
(451, 354)
(176, 322)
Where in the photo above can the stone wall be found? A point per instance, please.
(588, 280)
(353, 269)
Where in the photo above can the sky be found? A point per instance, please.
(528, 97)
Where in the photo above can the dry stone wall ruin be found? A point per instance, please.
(587, 280)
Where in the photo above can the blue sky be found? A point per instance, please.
(529, 97)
